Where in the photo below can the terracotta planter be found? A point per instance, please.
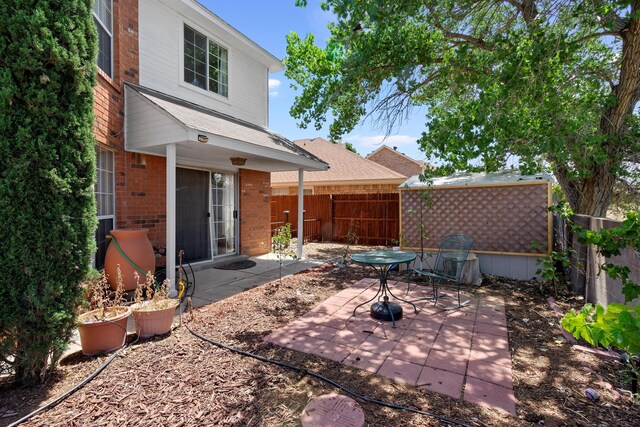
(152, 321)
(103, 335)
(136, 245)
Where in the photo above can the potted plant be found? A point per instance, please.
(104, 327)
(153, 309)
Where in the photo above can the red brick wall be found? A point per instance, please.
(255, 212)
(140, 179)
(396, 162)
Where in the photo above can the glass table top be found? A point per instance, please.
(383, 257)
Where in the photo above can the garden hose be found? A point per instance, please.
(247, 354)
(77, 387)
(321, 378)
(129, 260)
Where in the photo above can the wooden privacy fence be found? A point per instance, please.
(584, 270)
(373, 219)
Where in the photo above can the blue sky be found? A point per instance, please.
(267, 22)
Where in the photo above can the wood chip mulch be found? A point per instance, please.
(181, 380)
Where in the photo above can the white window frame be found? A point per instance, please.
(210, 38)
(110, 33)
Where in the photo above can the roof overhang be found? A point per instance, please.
(205, 138)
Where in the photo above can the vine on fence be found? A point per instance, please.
(554, 266)
(617, 325)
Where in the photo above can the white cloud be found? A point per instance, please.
(376, 141)
(274, 84)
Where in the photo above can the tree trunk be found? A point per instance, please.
(589, 196)
(592, 195)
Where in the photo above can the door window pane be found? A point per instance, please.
(223, 205)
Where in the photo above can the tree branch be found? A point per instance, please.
(471, 40)
(601, 34)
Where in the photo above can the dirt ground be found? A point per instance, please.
(181, 380)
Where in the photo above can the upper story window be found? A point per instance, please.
(205, 63)
(102, 14)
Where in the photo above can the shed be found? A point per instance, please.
(505, 213)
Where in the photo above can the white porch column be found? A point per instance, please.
(171, 218)
(300, 211)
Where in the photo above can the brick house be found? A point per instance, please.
(396, 161)
(349, 173)
(181, 123)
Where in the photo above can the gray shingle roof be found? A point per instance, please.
(209, 121)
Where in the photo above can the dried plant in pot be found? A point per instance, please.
(153, 309)
(104, 327)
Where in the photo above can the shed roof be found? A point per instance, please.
(476, 179)
(345, 166)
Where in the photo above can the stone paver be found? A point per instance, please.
(490, 372)
(400, 370)
(365, 360)
(443, 382)
(332, 410)
(491, 395)
(461, 353)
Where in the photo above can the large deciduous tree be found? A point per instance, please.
(47, 168)
(544, 84)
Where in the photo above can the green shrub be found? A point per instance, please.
(281, 246)
(47, 169)
(616, 325)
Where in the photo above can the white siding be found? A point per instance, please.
(145, 127)
(512, 266)
(161, 27)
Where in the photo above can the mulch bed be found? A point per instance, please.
(181, 380)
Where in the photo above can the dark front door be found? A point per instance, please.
(192, 214)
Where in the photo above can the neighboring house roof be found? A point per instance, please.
(234, 134)
(420, 163)
(345, 166)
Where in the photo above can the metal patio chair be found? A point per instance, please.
(447, 268)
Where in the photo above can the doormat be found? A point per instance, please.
(240, 265)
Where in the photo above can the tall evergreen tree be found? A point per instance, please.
(47, 172)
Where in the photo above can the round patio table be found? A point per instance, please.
(381, 261)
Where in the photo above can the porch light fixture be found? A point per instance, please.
(238, 161)
(203, 138)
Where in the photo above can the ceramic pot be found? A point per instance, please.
(99, 335)
(136, 245)
(152, 321)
